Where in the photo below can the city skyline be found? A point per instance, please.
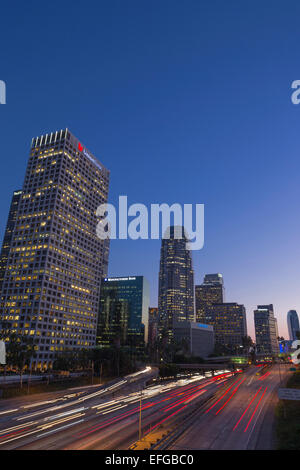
(179, 99)
(250, 321)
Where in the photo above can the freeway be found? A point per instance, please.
(240, 418)
(103, 418)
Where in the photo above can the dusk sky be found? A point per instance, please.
(186, 102)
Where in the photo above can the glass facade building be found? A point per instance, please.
(293, 324)
(266, 331)
(176, 281)
(123, 313)
(51, 283)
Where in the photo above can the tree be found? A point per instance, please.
(19, 352)
(168, 370)
(247, 342)
(113, 361)
(220, 350)
(72, 360)
(66, 360)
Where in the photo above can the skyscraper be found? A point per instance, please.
(51, 284)
(12, 217)
(209, 293)
(176, 281)
(229, 322)
(293, 324)
(124, 310)
(266, 331)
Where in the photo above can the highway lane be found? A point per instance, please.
(16, 414)
(94, 422)
(37, 400)
(234, 420)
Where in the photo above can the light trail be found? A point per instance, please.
(13, 428)
(67, 413)
(168, 417)
(185, 390)
(253, 398)
(8, 411)
(263, 377)
(13, 434)
(136, 410)
(222, 396)
(245, 430)
(233, 393)
(112, 410)
(60, 429)
(185, 400)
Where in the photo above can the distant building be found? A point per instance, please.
(153, 326)
(285, 346)
(124, 310)
(209, 293)
(197, 339)
(176, 281)
(229, 323)
(266, 330)
(293, 324)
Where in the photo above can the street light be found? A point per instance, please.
(140, 416)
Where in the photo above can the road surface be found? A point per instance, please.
(237, 416)
(241, 418)
(100, 419)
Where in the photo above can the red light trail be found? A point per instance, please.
(255, 410)
(222, 396)
(233, 393)
(247, 408)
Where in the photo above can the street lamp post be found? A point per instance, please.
(92, 372)
(101, 373)
(28, 380)
(140, 417)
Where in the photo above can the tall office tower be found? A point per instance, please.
(56, 261)
(293, 324)
(266, 331)
(229, 322)
(12, 217)
(176, 281)
(123, 313)
(209, 293)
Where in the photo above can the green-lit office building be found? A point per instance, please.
(124, 310)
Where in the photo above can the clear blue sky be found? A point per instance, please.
(184, 102)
